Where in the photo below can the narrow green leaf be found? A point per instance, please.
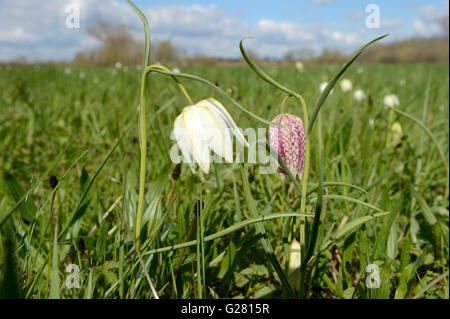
(267, 246)
(273, 152)
(38, 181)
(430, 285)
(333, 81)
(427, 213)
(352, 225)
(16, 192)
(76, 213)
(54, 269)
(260, 72)
(230, 230)
(147, 34)
(350, 199)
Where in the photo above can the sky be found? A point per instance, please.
(38, 29)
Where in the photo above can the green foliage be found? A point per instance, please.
(48, 120)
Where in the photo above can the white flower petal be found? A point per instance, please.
(219, 110)
(183, 142)
(194, 118)
(203, 127)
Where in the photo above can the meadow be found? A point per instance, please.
(383, 189)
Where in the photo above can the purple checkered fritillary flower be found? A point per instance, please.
(289, 141)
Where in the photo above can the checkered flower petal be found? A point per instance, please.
(289, 141)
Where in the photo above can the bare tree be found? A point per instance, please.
(117, 45)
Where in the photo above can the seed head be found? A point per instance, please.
(251, 177)
(53, 181)
(81, 245)
(349, 267)
(197, 207)
(71, 254)
(422, 270)
(176, 172)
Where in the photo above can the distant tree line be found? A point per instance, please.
(118, 44)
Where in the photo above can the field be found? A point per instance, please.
(68, 122)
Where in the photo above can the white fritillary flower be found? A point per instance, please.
(204, 127)
(391, 100)
(359, 95)
(396, 134)
(346, 85)
(299, 66)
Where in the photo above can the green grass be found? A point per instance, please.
(48, 119)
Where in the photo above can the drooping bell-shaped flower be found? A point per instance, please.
(346, 85)
(294, 256)
(294, 263)
(395, 134)
(322, 87)
(359, 95)
(391, 100)
(289, 142)
(299, 66)
(204, 127)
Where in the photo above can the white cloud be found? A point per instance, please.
(432, 22)
(322, 1)
(16, 34)
(391, 24)
(349, 38)
(36, 29)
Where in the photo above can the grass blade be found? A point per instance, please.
(229, 230)
(75, 215)
(147, 34)
(333, 81)
(33, 187)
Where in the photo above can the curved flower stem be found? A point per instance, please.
(217, 89)
(306, 166)
(290, 92)
(162, 68)
(304, 175)
(143, 136)
(284, 102)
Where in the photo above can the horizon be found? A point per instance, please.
(38, 31)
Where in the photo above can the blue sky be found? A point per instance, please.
(35, 29)
(307, 11)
